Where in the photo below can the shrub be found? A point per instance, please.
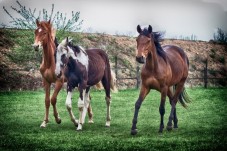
(221, 59)
(220, 36)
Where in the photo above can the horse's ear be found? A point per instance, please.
(37, 22)
(149, 29)
(139, 30)
(49, 21)
(67, 40)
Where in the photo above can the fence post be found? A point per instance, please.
(205, 74)
(137, 77)
(116, 66)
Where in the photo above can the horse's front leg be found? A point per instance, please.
(81, 106)
(68, 104)
(47, 103)
(162, 107)
(58, 86)
(87, 106)
(143, 93)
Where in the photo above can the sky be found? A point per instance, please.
(176, 17)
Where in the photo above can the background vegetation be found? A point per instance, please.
(201, 127)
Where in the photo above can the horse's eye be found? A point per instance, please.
(148, 40)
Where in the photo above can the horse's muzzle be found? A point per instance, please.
(36, 47)
(140, 59)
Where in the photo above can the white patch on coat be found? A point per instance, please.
(81, 57)
(40, 29)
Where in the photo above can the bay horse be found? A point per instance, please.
(83, 69)
(164, 67)
(45, 40)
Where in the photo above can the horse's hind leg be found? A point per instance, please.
(106, 85)
(172, 115)
(90, 114)
(170, 95)
(87, 107)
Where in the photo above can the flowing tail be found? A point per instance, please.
(183, 97)
(113, 83)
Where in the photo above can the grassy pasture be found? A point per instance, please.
(202, 126)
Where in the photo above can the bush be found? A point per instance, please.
(220, 36)
(221, 59)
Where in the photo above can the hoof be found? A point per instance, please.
(44, 124)
(79, 128)
(75, 122)
(108, 124)
(169, 128)
(161, 128)
(134, 132)
(58, 121)
(90, 121)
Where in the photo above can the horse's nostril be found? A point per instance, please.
(140, 59)
(36, 47)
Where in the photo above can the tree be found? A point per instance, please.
(220, 36)
(28, 17)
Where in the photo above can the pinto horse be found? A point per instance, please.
(164, 67)
(83, 69)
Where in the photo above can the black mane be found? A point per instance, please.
(158, 37)
(76, 48)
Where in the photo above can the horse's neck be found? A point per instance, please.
(48, 53)
(152, 60)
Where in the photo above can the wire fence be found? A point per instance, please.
(205, 79)
(126, 78)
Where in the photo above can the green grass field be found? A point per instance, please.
(202, 126)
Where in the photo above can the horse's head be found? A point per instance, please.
(61, 56)
(67, 50)
(44, 29)
(144, 43)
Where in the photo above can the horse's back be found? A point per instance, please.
(98, 65)
(175, 54)
(97, 57)
(178, 61)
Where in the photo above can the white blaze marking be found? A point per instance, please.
(40, 29)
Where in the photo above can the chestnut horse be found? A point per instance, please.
(83, 69)
(164, 67)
